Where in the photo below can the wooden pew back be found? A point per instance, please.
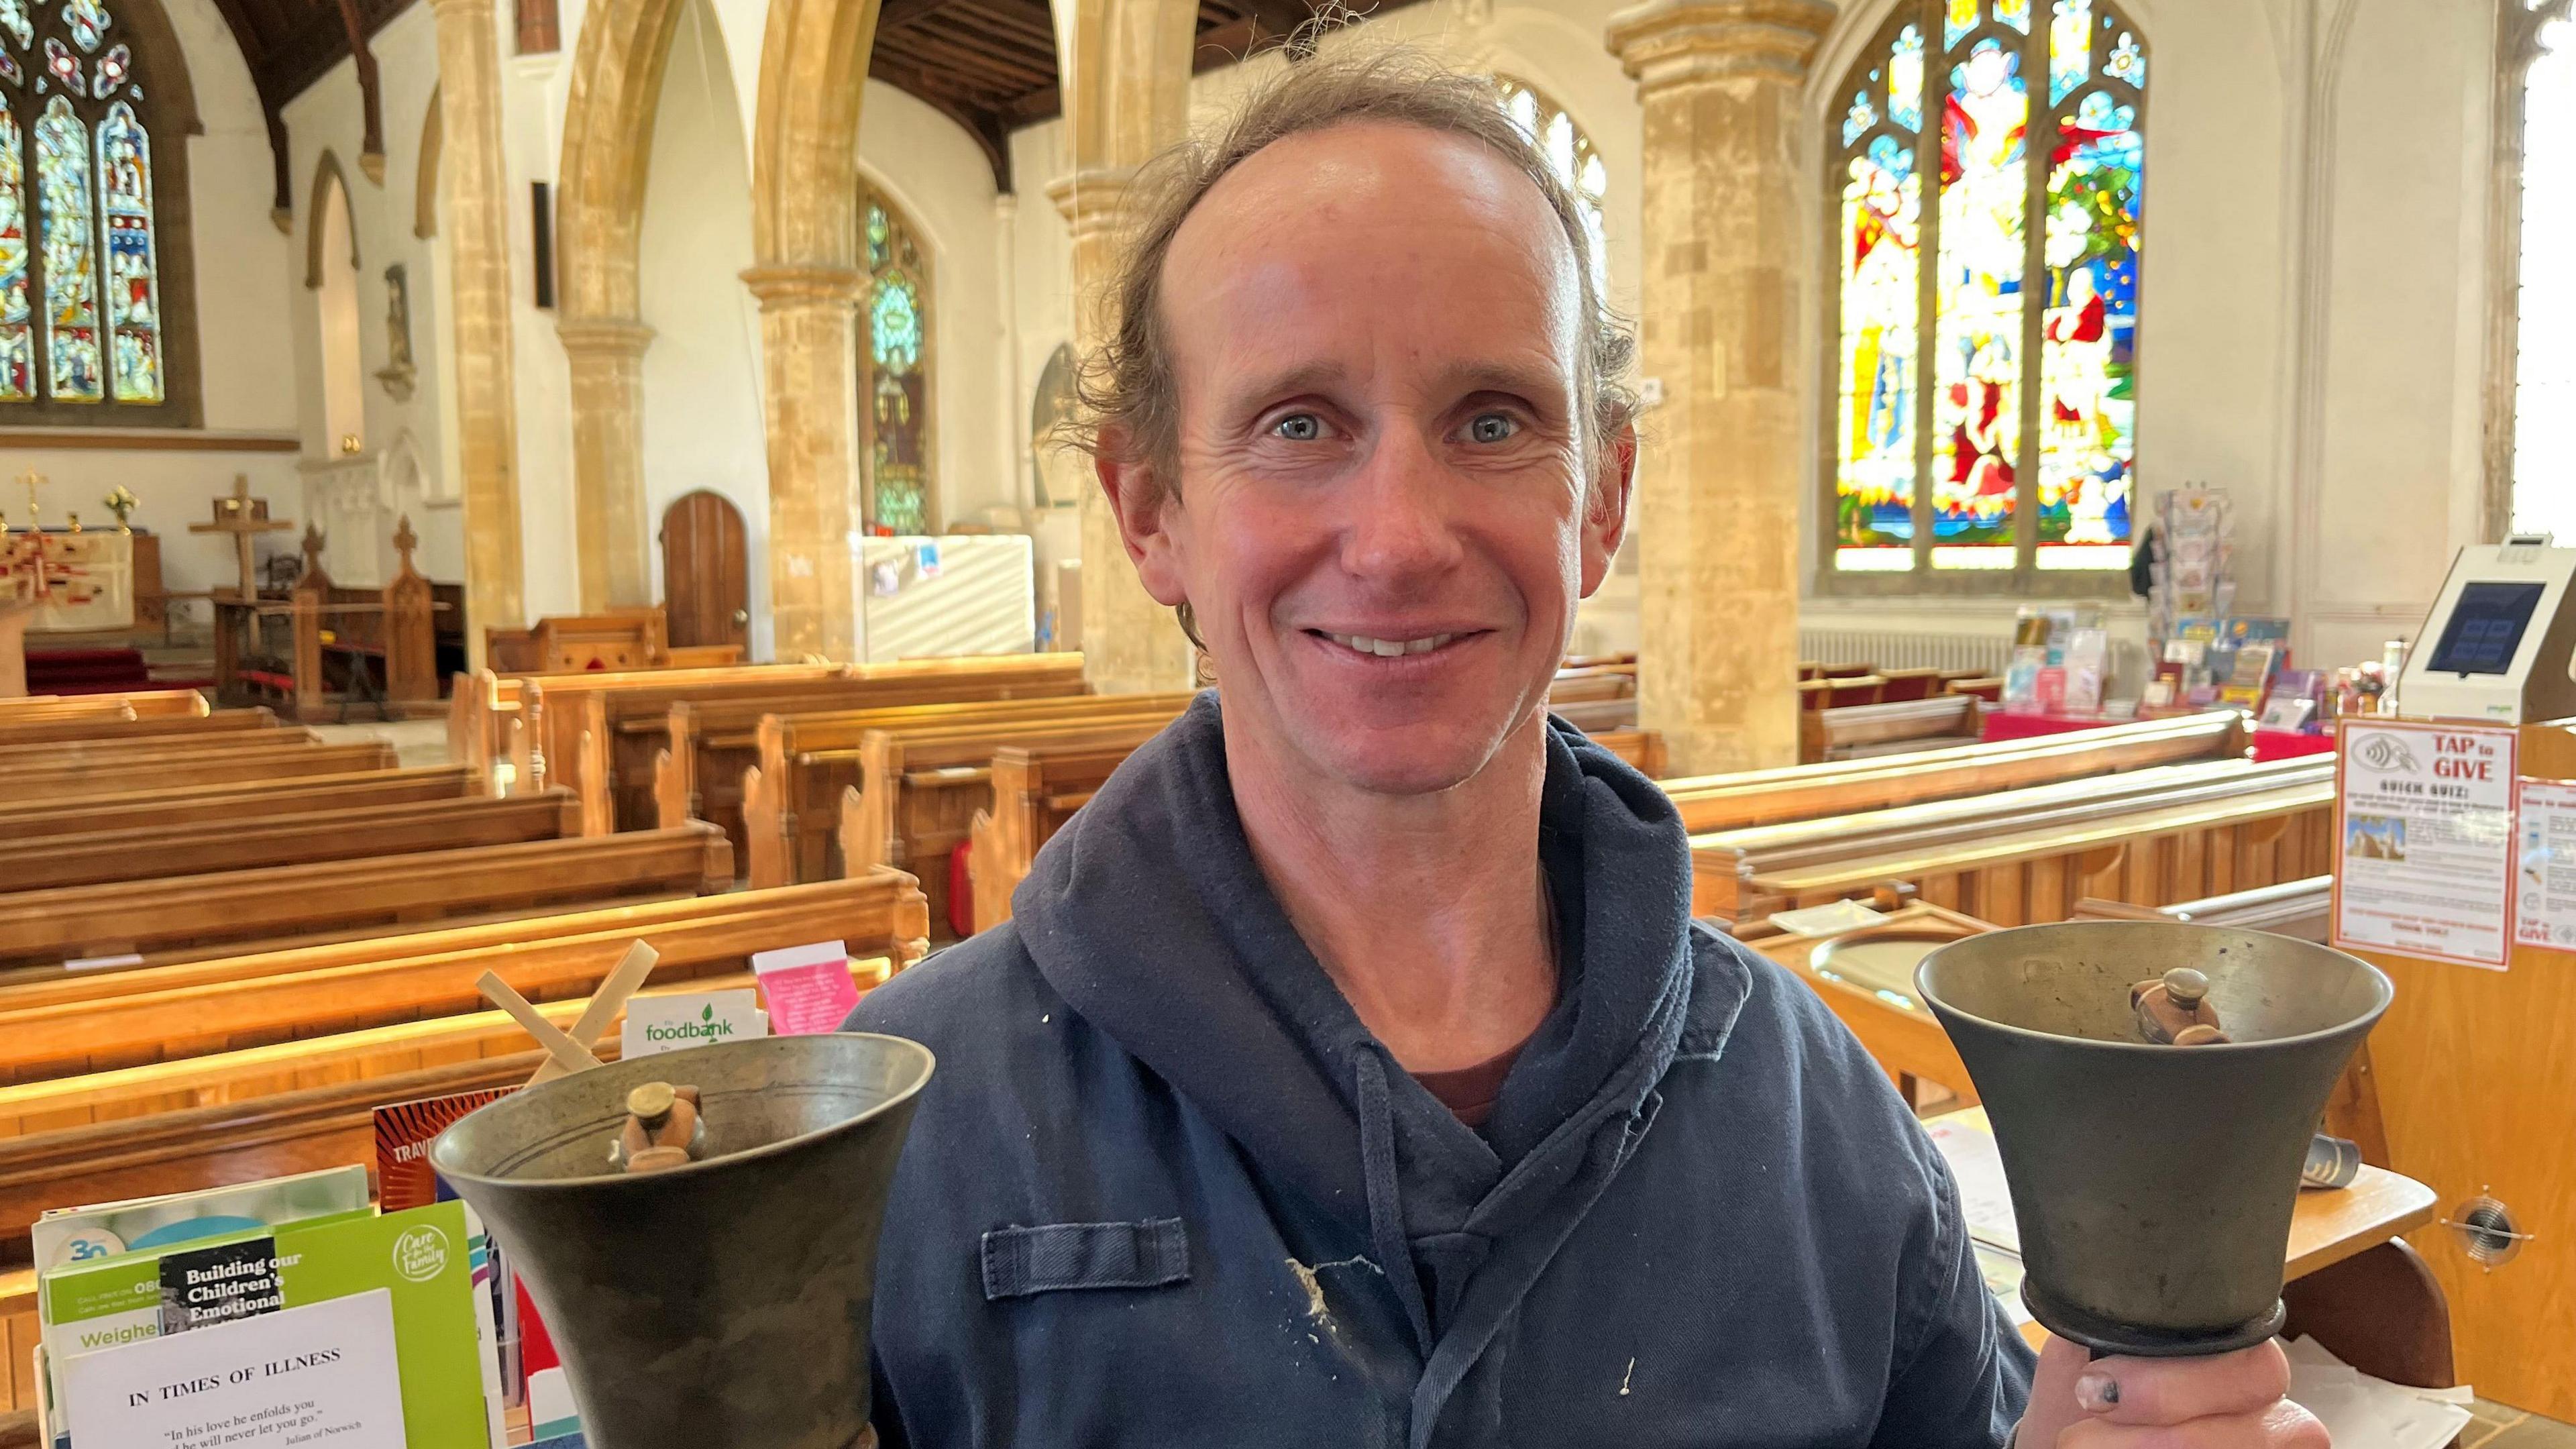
(88, 922)
(1916, 723)
(807, 760)
(68, 784)
(57, 729)
(1755, 797)
(920, 790)
(1035, 791)
(43, 756)
(226, 802)
(141, 704)
(367, 832)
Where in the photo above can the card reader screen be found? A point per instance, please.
(2486, 628)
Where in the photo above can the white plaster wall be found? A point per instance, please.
(702, 381)
(244, 325)
(331, 116)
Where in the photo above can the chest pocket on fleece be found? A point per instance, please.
(1055, 1257)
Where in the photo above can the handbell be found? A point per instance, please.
(721, 1302)
(2153, 1184)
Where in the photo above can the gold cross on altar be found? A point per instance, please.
(233, 516)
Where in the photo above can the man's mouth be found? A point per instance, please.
(1389, 648)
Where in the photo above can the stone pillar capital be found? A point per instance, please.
(1093, 199)
(785, 286)
(603, 336)
(1676, 42)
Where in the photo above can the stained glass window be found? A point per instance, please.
(2544, 401)
(1987, 228)
(1570, 155)
(80, 279)
(894, 409)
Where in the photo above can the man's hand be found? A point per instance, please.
(2232, 1402)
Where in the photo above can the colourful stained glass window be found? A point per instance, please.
(88, 22)
(81, 286)
(1570, 155)
(17, 318)
(895, 409)
(2008, 457)
(133, 283)
(74, 369)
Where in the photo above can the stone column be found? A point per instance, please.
(478, 243)
(1727, 228)
(1130, 644)
(809, 342)
(609, 525)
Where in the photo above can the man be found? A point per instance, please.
(1351, 1072)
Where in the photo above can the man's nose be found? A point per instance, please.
(1401, 509)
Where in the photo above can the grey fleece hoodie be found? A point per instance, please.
(1166, 1189)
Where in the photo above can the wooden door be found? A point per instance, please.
(705, 573)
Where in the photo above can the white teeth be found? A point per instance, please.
(1390, 648)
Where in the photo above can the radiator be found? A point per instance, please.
(1984, 653)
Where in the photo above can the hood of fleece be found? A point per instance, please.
(1148, 915)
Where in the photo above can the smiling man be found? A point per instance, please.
(1351, 1072)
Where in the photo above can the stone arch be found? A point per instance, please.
(433, 142)
(329, 182)
(618, 64)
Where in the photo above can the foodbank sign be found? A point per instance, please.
(690, 1033)
(673, 1023)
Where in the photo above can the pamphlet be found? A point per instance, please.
(422, 1260)
(808, 987)
(656, 1024)
(77, 1234)
(2426, 863)
(2545, 866)
(326, 1373)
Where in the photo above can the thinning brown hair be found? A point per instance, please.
(1130, 398)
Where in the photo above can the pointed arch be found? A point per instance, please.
(330, 184)
(433, 143)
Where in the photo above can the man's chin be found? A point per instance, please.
(1425, 760)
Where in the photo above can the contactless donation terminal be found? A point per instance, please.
(2497, 645)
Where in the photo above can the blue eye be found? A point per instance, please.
(1299, 427)
(1492, 428)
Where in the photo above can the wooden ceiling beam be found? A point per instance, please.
(1001, 75)
(899, 14)
(985, 126)
(990, 26)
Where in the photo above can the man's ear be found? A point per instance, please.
(1605, 508)
(1141, 504)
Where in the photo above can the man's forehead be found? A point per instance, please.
(1337, 210)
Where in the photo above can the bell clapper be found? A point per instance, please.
(2174, 1009)
(663, 1129)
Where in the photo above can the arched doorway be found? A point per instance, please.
(706, 572)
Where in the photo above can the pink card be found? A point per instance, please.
(808, 988)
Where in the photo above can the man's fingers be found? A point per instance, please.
(2283, 1425)
(2140, 1391)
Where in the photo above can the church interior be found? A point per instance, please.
(488, 483)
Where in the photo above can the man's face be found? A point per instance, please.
(1382, 518)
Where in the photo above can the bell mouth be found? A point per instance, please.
(2069, 982)
(772, 1071)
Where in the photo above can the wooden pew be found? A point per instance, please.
(1905, 684)
(921, 788)
(283, 901)
(1917, 723)
(2265, 827)
(1035, 791)
(1642, 749)
(560, 712)
(142, 704)
(1841, 691)
(75, 1024)
(1758, 797)
(52, 729)
(2302, 909)
(47, 756)
(227, 802)
(478, 730)
(807, 760)
(161, 771)
(373, 831)
(619, 639)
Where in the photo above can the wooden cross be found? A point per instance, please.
(235, 519)
(570, 1051)
(312, 546)
(404, 542)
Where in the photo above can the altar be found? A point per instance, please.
(74, 581)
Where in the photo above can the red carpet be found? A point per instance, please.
(86, 671)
